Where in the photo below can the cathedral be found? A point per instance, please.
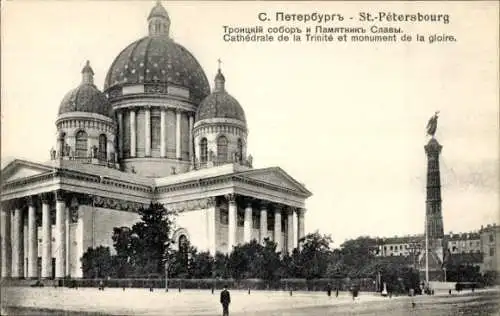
(158, 132)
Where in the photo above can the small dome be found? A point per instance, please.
(86, 97)
(220, 104)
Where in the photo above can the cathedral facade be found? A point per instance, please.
(156, 133)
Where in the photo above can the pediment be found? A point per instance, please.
(19, 169)
(276, 177)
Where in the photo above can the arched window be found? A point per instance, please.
(183, 243)
(103, 143)
(203, 150)
(81, 149)
(240, 150)
(222, 149)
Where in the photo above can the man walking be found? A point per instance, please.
(225, 300)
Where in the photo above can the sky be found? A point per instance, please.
(346, 119)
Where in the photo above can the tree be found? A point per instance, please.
(271, 263)
(97, 263)
(153, 238)
(314, 255)
(122, 244)
(221, 269)
(202, 265)
(357, 254)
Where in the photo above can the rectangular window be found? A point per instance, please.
(241, 218)
(140, 133)
(224, 219)
(492, 252)
(155, 131)
(126, 134)
(255, 221)
(492, 238)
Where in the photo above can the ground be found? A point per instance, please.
(112, 301)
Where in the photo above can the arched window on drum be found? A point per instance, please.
(81, 148)
(222, 149)
(103, 143)
(203, 150)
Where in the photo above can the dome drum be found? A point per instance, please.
(164, 91)
(220, 144)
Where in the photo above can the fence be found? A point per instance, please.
(253, 284)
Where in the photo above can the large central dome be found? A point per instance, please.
(157, 59)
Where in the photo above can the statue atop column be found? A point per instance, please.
(250, 160)
(52, 154)
(432, 124)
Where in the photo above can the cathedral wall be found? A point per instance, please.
(98, 224)
(195, 222)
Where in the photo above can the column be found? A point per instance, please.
(59, 146)
(277, 228)
(232, 222)
(178, 153)
(300, 220)
(133, 136)
(24, 265)
(120, 134)
(247, 226)
(147, 126)
(110, 147)
(263, 221)
(191, 122)
(211, 230)
(32, 240)
(17, 244)
(163, 133)
(5, 232)
(290, 237)
(46, 238)
(68, 244)
(60, 235)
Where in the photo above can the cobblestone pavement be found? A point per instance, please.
(90, 301)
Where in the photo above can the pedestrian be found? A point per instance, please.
(225, 300)
(337, 293)
(329, 290)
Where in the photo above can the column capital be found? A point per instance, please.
(290, 209)
(147, 107)
(248, 201)
(60, 195)
(263, 205)
(231, 198)
(301, 211)
(31, 200)
(46, 197)
(210, 201)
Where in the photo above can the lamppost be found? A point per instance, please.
(167, 261)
